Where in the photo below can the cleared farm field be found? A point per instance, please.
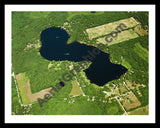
(108, 28)
(140, 111)
(130, 101)
(76, 90)
(24, 87)
(123, 36)
(25, 90)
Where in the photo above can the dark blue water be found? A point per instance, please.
(55, 47)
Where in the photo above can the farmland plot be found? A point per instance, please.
(108, 28)
(25, 90)
(76, 90)
(130, 101)
(123, 36)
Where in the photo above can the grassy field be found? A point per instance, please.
(24, 87)
(130, 101)
(108, 28)
(123, 36)
(16, 107)
(140, 111)
(25, 90)
(76, 90)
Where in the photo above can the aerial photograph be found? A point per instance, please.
(80, 63)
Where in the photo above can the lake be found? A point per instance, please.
(55, 47)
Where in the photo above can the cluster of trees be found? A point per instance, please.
(79, 23)
(139, 67)
(139, 70)
(27, 29)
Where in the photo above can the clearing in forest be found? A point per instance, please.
(25, 90)
(108, 28)
(76, 90)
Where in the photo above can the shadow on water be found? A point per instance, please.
(55, 47)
